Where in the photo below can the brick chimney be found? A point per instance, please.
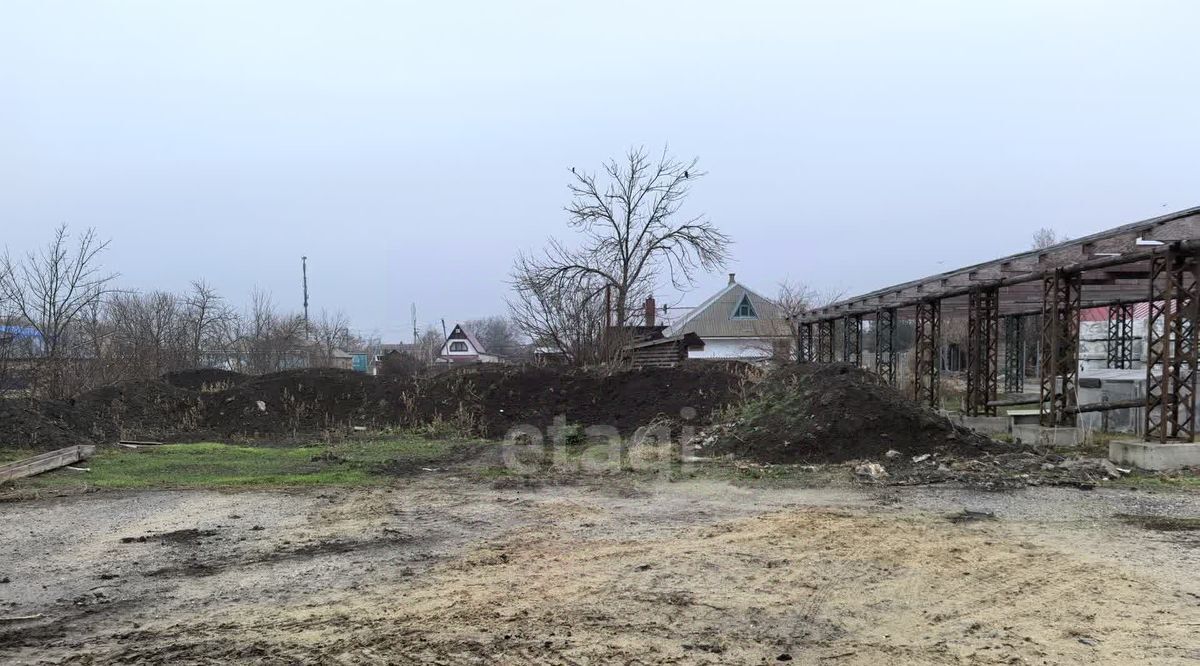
(650, 311)
(731, 277)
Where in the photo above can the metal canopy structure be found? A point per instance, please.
(1153, 261)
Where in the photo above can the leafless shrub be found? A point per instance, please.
(49, 289)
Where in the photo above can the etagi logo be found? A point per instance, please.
(663, 444)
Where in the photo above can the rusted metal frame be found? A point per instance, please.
(1058, 386)
(927, 331)
(1014, 354)
(824, 352)
(1047, 342)
(989, 348)
(804, 350)
(1120, 336)
(1028, 265)
(983, 317)
(885, 345)
(1183, 352)
(1158, 350)
(868, 303)
(973, 369)
(852, 339)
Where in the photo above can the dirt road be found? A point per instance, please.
(443, 570)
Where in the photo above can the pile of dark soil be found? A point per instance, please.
(204, 379)
(309, 400)
(24, 427)
(482, 400)
(499, 398)
(831, 413)
(143, 409)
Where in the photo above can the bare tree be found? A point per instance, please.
(331, 332)
(633, 233)
(271, 339)
(149, 332)
(794, 299)
(564, 317)
(499, 335)
(1047, 237)
(10, 340)
(49, 289)
(205, 315)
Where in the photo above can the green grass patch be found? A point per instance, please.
(1158, 481)
(13, 455)
(213, 465)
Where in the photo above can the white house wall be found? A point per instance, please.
(1093, 344)
(733, 348)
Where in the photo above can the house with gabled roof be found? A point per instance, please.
(736, 323)
(461, 346)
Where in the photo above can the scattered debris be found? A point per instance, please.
(20, 618)
(871, 471)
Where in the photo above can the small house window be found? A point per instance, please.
(745, 309)
(458, 346)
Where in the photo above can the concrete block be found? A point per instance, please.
(1153, 455)
(988, 425)
(1036, 434)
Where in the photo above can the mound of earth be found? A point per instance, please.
(481, 400)
(498, 398)
(830, 413)
(142, 409)
(204, 379)
(24, 427)
(308, 400)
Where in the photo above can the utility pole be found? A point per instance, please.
(304, 273)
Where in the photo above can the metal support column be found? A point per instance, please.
(983, 323)
(1120, 336)
(1061, 293)
(885, 345)
(804, 346)
(825, 341)
(1171, 349)
(1014, 354)
(927, 333)
(852, 339)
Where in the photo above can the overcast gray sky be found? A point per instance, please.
(410, 149)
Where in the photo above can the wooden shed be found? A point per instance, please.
(662, 352)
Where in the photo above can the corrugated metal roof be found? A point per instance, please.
(1140, 311)
(714, 318)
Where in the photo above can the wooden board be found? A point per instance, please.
(44, 462)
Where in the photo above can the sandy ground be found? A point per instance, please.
(440, 569)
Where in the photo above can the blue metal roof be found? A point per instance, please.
(20, 331)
